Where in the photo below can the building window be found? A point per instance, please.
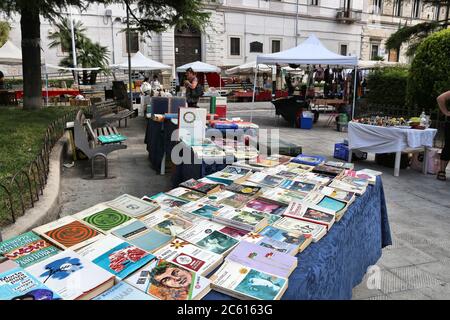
(416, 9)
(276, 46)
(398, 8)
(374, 51)
(235, 46)
(314, 2)
(134, 45)
(256, 46)
(377, 7)
(343, 50)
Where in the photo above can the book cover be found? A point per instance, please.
(166, 223)
(116, 256)
(267, 206)
(206, 236)
(331, 204)
(103, 218)
(337, 194)
(190, 257)
(186, 194)
(138, 234)
(297, 186)
(124, 292)
(18, 284)
(202, 187)
(27, 249)
(203, 210)
(263, 259)
(328, 170)
(237, 200)
(168, 281)
(167, 202)
(265, 179)
(71, 276)
(316, 231)
(244, 189)
(247, 283)
(283, 235)
(270, 243)
(132, 206)
(247, 220)
(69, 233)
(283, 195)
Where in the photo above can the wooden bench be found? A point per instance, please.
(104, 113)
(92, 150)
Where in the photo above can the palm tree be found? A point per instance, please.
(89, 54)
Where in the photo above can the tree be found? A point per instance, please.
(4, 32)
(89, 54)
(430, 71)
(149, 15)
(415, 34)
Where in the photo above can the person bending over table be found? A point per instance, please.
(442, 100)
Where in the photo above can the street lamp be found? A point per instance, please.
(296, 25)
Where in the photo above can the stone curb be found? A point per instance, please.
(47, 209)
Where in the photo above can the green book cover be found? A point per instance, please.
(27, 249)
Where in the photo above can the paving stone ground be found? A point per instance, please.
(416, 266)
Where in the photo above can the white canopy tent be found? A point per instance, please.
(10, 54)
(310, 51)
(199, 66)
(141, 63)
(248, 67)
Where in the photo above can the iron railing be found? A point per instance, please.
(21, 190)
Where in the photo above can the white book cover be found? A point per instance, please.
(103, 218)
(166, 223)
(316, 231)
(246, 283)
(311, 213)
(186, 194)
(69, 233)
(132, 206)
(206, 235)
(189, 256)
(70, 275)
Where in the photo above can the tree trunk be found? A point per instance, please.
(30, 26)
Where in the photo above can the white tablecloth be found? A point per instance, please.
(375, 139)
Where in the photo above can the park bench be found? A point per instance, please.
(109, 111)
(92, 150)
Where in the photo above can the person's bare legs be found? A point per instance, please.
(441, 174)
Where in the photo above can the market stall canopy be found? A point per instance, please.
(50, 66)
(10, 54)
(199, 66)
(141, 63)
(249, 67)
(311, 51)
(371, 64)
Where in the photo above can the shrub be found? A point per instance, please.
(387, 86)
(430, 72)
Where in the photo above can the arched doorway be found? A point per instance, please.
(188, 46)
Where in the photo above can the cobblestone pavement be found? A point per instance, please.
(416, 266)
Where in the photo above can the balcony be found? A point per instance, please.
(349, 16)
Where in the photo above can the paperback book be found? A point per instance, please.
(18, 284)
(328, 170)
(247, 190)
(138, 234)
(283, 195)
(166, 223)
(265, 179)
(132, 206)
(201, 209)
(298, 239)
(267, 206)
(338, 207)
(104, 218)
(124, 292)
(206, 236)
(186, 194)
(27, 249)
(309, 229)
(168, 202)
(116, 256)
(165, 280)
(72, 276)
(263, 259)
(231, 174)
(311, 213)
(270, 243)
(246, 283)
(242, 219)
(202, 187)
(297, 186)
(190, 257)
(69, 233)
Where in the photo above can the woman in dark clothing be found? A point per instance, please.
(443, 100)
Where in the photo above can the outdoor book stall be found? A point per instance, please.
(271, 228)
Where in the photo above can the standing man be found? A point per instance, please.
(193, 89)
(442, 100)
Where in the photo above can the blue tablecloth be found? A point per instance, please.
(330, 268)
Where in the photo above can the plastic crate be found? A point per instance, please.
(306, 123)
(341, 151)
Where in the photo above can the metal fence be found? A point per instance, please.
(23, 189)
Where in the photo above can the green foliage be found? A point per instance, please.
(430, 71)
(387, 86)
(4, 32)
